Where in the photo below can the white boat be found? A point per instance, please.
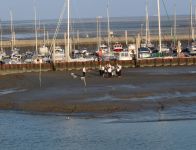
(144, 52)
(124, 55)
(192, 49)
(164, 49)
(15, 60)
(108, 56)
(43, 50)
(58, 54)
(15, 57)
(82, 59)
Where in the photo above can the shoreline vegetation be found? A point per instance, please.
(139, 89)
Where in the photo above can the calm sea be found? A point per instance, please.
(131, 131)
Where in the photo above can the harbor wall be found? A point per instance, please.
(94, 65)
(88, 41)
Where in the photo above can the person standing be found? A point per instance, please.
(118, 70)
(84, 71)
(109, 72)
(100, 70)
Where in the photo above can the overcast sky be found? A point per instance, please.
(50, 9)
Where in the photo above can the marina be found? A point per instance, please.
(87, 76)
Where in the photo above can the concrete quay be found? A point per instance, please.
(94, 65)
(88, 41)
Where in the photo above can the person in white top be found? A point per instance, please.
(84, 71)
(109, 72)
(118, 70)
(113, 71)
(100, 70)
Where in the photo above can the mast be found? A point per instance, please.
(126, 37)
(44, 35)
(108, 26)
(147, 24)
(175, 25)
(36, 45)
(68, 30)
(191, 13)
(1, 36)
(12, 30)
(98, 32)
(159, 22)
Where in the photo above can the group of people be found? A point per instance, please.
(110, 71)
(107, 71)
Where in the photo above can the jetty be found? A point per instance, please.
(94, 65)
(91, 41)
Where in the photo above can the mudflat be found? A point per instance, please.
(138, 89)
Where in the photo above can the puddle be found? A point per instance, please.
(10, 91)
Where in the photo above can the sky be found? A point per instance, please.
(51, 9)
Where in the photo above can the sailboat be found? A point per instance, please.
(192, 48)
(162, 47)
(117, 48)
(145, 49)
(43, 50)
(101, 48)
(2, 52)
(15, 57)
(68, 49)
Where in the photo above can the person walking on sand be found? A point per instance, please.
(84, 71)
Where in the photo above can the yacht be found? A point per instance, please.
(117, 47)
(192, 49)
(124, 55)
(144, 52)
(43, 50)
(15, 57)
(164, 48)
(59, 54)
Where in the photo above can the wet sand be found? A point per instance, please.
(138, 89)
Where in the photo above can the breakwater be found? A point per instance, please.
(67, 66)
(89, 41)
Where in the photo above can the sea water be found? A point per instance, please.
(122, 131)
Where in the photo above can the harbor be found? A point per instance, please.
(94, 65)
(83, 75)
